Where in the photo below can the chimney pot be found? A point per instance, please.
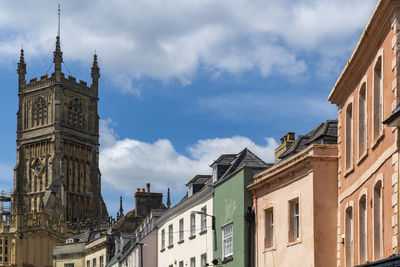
(148, 187)
(143, 190)
(138, 189)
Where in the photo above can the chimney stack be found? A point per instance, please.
(286, 141)
(148, 187)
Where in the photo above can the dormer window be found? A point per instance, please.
(214, 174)
(190, 190)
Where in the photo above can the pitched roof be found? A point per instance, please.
(224, 159)
(199, 179)
(245, 158)
(324, 133)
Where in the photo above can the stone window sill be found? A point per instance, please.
(203, 232)
(192, 237)
(362, 157)
(227, 259)
(162, 250)
(378, 140)
(293, 243)
(180, 242)
(348, 171)
(170, 246)
(268, 249)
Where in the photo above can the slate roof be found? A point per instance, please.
(324, 133)
(245, 158)
(224, 159)
(199, 179)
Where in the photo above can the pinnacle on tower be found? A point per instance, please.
(121, 210)
(57, 59)
(168, 199)
(21, 64)
(95, 68)
(21, 70)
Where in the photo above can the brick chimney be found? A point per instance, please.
(286, 141)
(146, 201)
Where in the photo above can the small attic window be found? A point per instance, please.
(190, 190)
(214, 174)
(69, 241)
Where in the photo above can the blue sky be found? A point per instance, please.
(183, 81)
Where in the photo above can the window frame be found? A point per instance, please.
(363, 151)
(162, 239)
(349, 136)
(193, 262)
(203, 219)
(294, 220)
(203, 257)
(269, 228)
(192, 224)
(225, 238)
(376, 136)
(378, 183)
(349, 241)
(181, 230)
(170, 235)
(363, 227)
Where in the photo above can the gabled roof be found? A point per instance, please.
(324, 133)
(245, 158)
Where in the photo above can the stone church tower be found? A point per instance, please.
(57, 182)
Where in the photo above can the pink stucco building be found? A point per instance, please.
(295, 202)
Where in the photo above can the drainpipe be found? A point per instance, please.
(249, 219)
(256, 245)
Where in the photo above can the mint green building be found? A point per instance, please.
(234, 220)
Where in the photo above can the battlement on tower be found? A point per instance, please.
(68, 83)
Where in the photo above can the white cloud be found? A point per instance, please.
(164, 39)
(127, 164)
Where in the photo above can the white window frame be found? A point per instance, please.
(203, 260)
(294, 220)
(192, 224)
(215, 174)
(203, 218)
(193, 262)
(227, 240)
(163, 239)
(170, 235)
(181, 230)
(269, 227)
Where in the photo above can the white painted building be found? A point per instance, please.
(185, 234)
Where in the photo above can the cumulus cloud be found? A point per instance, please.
(171, 39)
(126, 164)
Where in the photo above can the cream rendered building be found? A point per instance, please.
(88, 250)
(185, 237)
